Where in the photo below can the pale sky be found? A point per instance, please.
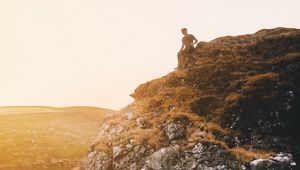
(96, 52)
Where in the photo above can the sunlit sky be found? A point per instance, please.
(96, 52)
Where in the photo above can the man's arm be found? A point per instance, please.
(195, 41)
(182, 46)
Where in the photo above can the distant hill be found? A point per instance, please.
(235, 105)
(41, 137)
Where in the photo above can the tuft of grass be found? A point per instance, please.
(246, 155)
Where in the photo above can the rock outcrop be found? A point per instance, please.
(236, 105)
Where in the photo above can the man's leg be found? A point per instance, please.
(182, 60)
(179, 57)
(188, 56)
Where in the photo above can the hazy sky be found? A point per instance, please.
(96, 52)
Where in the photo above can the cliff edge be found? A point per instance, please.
(236, 105)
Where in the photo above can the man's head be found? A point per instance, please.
(184, 31)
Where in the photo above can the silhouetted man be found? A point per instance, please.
(188, 42)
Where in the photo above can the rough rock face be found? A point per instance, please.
(236, 105)
(280, 161)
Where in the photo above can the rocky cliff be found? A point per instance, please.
(236, 105)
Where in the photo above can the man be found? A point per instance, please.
(188, 42)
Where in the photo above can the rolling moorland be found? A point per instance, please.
(33, 138)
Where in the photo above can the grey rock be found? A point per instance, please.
(281, 161)
(141, 122)
(205, 157)
(293, 67)
(107, 130)
(197, 150)
(163, 159)
(128, 115)
(259, 164)
(117, 150)
(221, 167)
(117, 129)
(176, 129)
(130, 159)
(97, 161)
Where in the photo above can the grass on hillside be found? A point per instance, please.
(46, 137)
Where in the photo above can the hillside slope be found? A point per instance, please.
(236, 105)
(40, 138)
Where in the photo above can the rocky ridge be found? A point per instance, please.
(236, 105)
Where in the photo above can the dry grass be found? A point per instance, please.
(232, 97)
(267, 76)
(46, 137)
(248, 155)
